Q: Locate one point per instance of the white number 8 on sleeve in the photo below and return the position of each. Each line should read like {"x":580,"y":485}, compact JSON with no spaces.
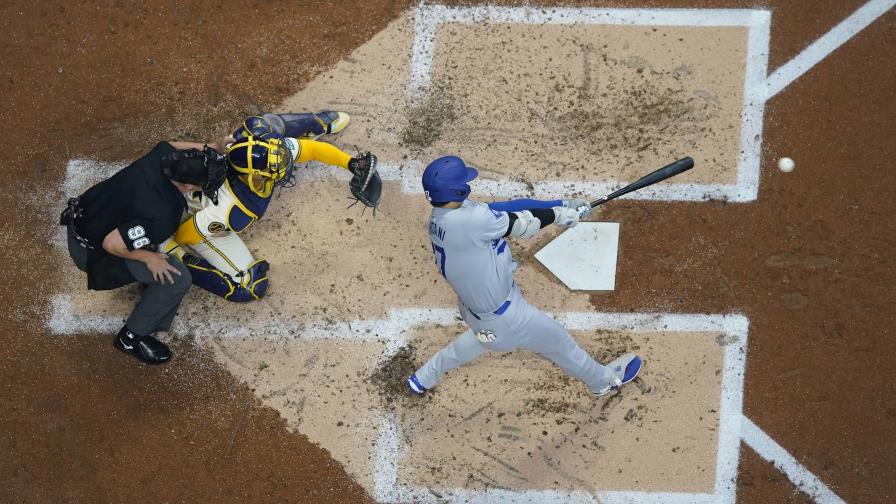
{"x":141,"y":242}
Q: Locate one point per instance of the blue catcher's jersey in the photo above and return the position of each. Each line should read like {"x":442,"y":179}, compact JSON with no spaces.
{"x":237,"y":208}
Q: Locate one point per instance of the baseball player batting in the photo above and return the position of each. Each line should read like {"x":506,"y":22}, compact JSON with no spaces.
{"x":468,"y":241}
{"x":261,"y":156}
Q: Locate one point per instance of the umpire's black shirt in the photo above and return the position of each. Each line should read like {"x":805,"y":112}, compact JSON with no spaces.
{"x":138,"y":201}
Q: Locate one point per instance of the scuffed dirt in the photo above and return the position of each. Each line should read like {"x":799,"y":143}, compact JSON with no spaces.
{"x":388,"y":379}
{"x":429,"y":117}
{"x":634,"y":107}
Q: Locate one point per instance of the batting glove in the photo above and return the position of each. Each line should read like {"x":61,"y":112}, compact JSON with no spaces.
{"x":565,"y":217}
{"x":574,"y":203}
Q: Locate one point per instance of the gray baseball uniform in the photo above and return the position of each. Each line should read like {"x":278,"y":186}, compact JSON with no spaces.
{"x":473,"y":256}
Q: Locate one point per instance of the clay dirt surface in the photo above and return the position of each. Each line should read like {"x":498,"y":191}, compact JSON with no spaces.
{"x":809,"y":262}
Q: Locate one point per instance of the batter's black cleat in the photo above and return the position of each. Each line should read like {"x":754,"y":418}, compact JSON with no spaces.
{"x":146,"y":348}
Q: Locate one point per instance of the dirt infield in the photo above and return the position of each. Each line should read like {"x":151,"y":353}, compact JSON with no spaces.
{"x":243,"y":419}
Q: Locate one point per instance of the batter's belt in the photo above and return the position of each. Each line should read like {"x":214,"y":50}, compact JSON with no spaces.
{"x":501,"y":309}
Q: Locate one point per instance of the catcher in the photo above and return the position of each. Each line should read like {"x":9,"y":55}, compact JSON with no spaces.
{"x":261,"y":156}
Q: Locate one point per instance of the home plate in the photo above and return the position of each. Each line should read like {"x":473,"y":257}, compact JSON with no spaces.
{"x":584,"y":257}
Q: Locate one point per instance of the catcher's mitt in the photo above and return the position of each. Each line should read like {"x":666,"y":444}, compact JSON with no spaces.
{"x":366,"y":185}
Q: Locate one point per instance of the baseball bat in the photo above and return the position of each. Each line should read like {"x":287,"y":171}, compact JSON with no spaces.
{"x":670,"y":170}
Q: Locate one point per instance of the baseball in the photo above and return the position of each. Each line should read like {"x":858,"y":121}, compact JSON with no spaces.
{"x":786,"y":165}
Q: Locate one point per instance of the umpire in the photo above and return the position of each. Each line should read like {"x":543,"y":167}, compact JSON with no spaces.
{"x":115,"y":227}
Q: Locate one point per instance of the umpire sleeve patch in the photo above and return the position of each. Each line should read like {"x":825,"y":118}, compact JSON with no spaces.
{"x":137,"y":236}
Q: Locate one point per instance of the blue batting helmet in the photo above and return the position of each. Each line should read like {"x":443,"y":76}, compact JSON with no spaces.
{"x":445,"y":179}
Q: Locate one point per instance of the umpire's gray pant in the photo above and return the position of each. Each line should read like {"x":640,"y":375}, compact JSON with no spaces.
{"x":158,"y":304}
{"x":522,"y":325}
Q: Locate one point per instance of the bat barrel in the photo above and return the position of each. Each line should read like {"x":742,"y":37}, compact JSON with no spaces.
{"x":670,"y":170}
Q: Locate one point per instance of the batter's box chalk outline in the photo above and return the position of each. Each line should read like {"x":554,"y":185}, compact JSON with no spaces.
{"x":63,"y":318}
{"x":758,"y":22}
{"x":390,"y":450}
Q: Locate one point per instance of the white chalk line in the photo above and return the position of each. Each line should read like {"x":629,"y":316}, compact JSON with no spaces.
{"x":731,"y":408}
{"x":86,"y":172}
{"x":405,"y":495}
{"x":63,"y":318}
{"x":757,"y":23}
{"x":557,"y":189}
{"x":767,"y":448}
{"x":825,"y":45}
{"x":755,"y":69}
{"x":387,"y":452}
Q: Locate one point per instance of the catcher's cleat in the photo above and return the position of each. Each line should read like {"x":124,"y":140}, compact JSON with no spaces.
{"x":625,"y":368}
{"x":332,"y":122}
{"x":146,"y":348}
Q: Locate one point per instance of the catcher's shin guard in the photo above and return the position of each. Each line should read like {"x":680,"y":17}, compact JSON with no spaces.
{"x":302,"y":125}
{"x":254,"y":284}
{"x":312,"y":126}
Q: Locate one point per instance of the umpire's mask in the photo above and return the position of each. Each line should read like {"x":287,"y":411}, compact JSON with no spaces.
{"x":205,"y":168}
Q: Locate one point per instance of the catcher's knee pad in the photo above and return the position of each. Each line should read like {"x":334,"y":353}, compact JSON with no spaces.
{"x":256,"y":280}
{"x":251,"y":285}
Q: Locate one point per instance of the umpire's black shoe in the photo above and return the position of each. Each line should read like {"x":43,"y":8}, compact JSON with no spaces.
{"x":145,"y":348}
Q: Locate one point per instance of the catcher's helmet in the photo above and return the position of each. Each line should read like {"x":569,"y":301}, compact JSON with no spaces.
{"x":445,"y":179}
{"x":271,"y":159}
{"x":205,"y":168}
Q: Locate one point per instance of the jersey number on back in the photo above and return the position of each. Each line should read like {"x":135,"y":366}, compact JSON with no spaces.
{"x":439,"y":252}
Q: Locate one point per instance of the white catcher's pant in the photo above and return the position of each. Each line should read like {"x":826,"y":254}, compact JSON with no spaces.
{"x":522,"y":325}
{"x":227,"y":252}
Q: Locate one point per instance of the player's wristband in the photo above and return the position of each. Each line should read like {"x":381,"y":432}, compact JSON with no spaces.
{"x":545,"y":215}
